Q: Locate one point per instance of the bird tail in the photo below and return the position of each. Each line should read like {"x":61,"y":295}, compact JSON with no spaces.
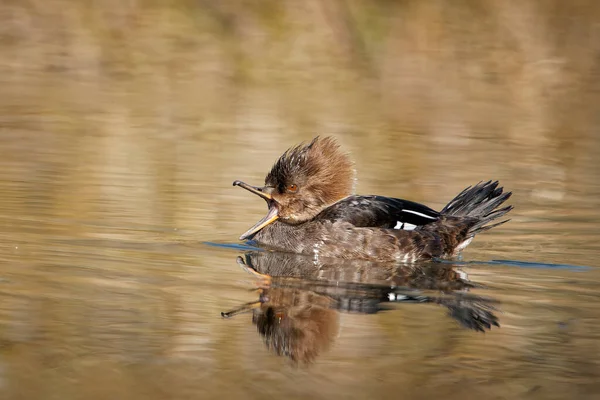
{"x":480,"y":203}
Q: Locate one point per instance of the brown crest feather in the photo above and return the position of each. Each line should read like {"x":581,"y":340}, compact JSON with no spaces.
{"x":320,"y":166}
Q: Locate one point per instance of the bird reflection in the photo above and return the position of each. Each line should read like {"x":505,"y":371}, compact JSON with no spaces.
{"x":297,"y":312}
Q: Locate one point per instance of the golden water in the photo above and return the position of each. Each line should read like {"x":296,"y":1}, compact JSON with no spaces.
{"x":122,"y":126}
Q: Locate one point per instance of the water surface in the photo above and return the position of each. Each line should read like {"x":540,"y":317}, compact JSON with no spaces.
{"x":122,"y":129}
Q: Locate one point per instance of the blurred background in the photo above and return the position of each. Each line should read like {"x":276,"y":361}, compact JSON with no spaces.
{"x":124,"y":123}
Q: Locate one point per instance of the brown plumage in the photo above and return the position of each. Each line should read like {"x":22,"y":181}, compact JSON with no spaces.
{"x":321,"y":173}
{"x":312,"y":211}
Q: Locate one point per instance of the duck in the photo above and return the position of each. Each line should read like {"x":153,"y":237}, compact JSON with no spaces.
{"x":312,"y":210}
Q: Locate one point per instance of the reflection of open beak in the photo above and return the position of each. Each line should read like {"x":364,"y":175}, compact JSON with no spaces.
{"x":272,"y":214}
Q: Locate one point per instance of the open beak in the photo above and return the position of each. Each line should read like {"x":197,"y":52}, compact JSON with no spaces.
{"x":271,"y":217}
{"x":272,"y":214}
{"x":253,"y":189}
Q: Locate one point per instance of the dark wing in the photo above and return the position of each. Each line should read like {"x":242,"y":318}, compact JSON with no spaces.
{"x":380,"y":212}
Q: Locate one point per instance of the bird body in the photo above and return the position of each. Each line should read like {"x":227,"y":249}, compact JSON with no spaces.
{"x":312,"y":211}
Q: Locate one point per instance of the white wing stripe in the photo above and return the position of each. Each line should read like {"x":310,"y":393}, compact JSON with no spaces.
{"x":405,"y":226}
{"x":419,"y":214}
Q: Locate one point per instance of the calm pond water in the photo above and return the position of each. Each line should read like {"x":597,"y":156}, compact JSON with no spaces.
{"x":122,"y":129}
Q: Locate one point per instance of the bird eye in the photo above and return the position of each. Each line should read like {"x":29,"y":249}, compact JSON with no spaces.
{"x":293,"y":188}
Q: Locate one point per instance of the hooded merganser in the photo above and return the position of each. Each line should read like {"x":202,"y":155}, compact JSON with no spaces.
{"x":312,"y":210}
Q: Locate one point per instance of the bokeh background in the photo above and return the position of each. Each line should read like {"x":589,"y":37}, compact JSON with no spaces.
{"x":123,"y":124}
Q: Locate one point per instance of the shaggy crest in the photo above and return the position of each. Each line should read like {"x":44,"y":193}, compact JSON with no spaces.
{"x":319,"y":167}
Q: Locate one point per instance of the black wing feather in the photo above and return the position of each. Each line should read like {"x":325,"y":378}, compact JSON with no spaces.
{"x":379,"y":212}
